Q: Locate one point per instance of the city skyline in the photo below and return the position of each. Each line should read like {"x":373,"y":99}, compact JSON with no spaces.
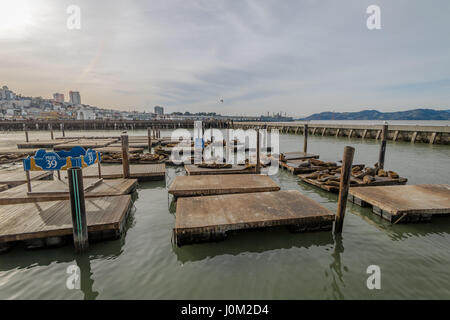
{"x":249,"y":57}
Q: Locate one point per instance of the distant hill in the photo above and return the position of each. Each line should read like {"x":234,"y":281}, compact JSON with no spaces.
{"x":416,"y":114}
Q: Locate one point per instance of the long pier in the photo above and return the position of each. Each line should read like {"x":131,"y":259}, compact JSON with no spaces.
{"x":409,"y":133}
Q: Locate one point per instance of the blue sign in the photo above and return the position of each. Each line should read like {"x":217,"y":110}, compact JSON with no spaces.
{"x":61,"y":160}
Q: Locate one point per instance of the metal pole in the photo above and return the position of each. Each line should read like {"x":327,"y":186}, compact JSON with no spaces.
{"x":78,"y":208}
{"x":343,"y":187}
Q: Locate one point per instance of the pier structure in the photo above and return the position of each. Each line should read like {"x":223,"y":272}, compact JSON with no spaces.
{"x":408,"y":133}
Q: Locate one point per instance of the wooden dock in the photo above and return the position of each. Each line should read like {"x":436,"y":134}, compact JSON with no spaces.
{"x":15,"y":177}
{"x":45,"y":190}
{"x":141,"y":172}
{"x":354,"y":182}
{"x":285,"y":156}
{"x":401,"y":204}
{"x":111,"y":149}
{"x":209,"y":218}
{"x":202,"y":185}
{"x":43,"y":144}
{"x":85,"y":143}
{"x":49,"y":223}
{"x":192,"y":169}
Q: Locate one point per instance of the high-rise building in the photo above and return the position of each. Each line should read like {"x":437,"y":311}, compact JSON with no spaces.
{"x":58,"y":97}
{"x":75,"y":97}
{"x":159,"y":110}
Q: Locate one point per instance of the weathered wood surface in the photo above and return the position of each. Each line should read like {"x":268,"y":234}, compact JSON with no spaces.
{"x":285,"y":156}
{"x":45,"y":190}
{"x":53,"y":218}
{"x":201,"y":185}
{"x":379,"y":181}
{"x":43,"y":143}
{"x":414,"y":202}
{"x":111,"y":149}
{"x":141,"y":172}
{"x":137,"y":145}
{"x":210,"y":218}
{"x":15,"y":150}
{"x":15,"y":177}
{"x":3,"y":187}
{"x":192,"y":169}
{"x":85,"y":143}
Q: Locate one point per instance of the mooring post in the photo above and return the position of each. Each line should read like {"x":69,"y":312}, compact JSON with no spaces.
{"x":62,"y":130}
{"x":384,"y":134}
{"x":27,"y":174}
{"x":305,"y":139}
{"x":258,"y":164}
{"x":99,"y":169}
{"x":344,"y":185}
{"x":125,"y":163}
{"x":51,"y":132}
{"x":78,"y":208}
{"x":149,"y":136}
{"x":59,"y":174}
{"x":26,"y":134}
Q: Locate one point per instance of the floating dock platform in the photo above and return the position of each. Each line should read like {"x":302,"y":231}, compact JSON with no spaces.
{"x":203,"y":185}
{"x":209,"y":218}
{"x":17,"y":176}
{"x":354,"y":182}
{"x":112,"y":149}
{"x":297,"y":155}
{"x":401,"y":204}
{"x":141,"y":172}
{"x":43,"y":144}
{"x":85,"y":143}
{"x":193,"y":169}
{"x":50,"y":223}
{"x":45,"y":190}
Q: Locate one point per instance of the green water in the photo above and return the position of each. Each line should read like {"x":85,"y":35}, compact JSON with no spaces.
{"x":270,"y":264}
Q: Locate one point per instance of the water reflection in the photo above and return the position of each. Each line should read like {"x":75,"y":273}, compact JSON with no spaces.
{"x":86,"y":282}
{"x":253,"y":241}
{"x":337,"y":270}
{"x":399,"y":232}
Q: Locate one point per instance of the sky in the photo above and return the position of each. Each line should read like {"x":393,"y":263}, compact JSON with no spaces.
{"x":259,"y":56}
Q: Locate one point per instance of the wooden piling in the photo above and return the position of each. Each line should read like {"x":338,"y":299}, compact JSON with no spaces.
{"x":305,"y":141}
{"x":78,"y":209}
{"x":258,"y":164}
{"x":26,"y":135}
{"x":62,"y":130}
{"x":125,"y":162}
{"x":149,"y":136}
{"x":384,"y":134}
{"x":99,"y":170}
{"x":27,"y":173}
{"x":343,"y":187}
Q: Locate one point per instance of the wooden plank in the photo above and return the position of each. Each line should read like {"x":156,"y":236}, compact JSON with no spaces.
{"x":429,"y":199}
{"x":85,"y":143}
{"x":43,"y":143}
{"x":210,"y":218}
{"x":379,"y":181}
{"x":3,"y":187}
{"x":193,"y":169}
{"x":201,"y":185}
{"x":141,"y":172}
{"x":53,"y":218}
{"x":285,"y":156}
{"x":45,"y":190}
{"x":16,"y":176}
{"x":111,"y":149}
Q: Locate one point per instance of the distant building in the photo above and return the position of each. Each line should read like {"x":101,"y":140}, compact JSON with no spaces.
{"x":6,"y":94}
{"x":159,"y":110}
{"x":58,"y":97}
{"x":75,"y":97}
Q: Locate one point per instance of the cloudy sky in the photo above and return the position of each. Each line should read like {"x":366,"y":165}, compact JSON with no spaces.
{"x":295,"y":56}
